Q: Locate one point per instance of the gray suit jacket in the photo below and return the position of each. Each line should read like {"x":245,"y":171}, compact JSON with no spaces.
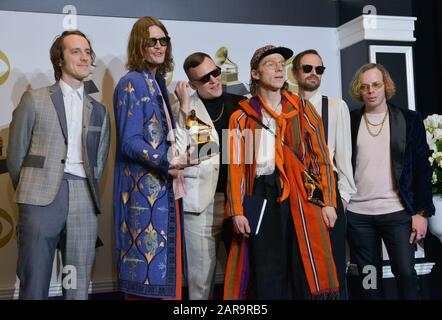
{"x":38,"y":144}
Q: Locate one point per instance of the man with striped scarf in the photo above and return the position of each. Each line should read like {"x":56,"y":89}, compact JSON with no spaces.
{"x":274,"y":138}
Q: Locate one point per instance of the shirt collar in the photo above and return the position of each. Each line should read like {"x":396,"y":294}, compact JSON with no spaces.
{"x":316,"y":99}
{"x":67,"y":89}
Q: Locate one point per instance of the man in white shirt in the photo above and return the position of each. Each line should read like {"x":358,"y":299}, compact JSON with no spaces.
{"x":308,"y":69}
{"x":58,"y":145}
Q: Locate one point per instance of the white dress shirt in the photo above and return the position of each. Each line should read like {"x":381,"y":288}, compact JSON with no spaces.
{"x":73,"y":106}
{"x":266,"y":158}
{"x":339,"y":142}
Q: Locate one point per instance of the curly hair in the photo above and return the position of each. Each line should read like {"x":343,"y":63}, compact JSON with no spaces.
{"x":137,"y":47}
{"x":355,"y":85}
{"x":56,"y":52}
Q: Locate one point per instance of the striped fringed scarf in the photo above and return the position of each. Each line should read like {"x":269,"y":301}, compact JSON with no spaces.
{"x":312,"y":234}
{"x":311,"y":231}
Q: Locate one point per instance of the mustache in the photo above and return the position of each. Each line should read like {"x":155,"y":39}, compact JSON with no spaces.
{"x":312,"y":77}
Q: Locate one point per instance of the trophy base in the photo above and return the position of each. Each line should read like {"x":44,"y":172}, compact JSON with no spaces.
{"x":238,"y":89}
{"x":204,"y":150}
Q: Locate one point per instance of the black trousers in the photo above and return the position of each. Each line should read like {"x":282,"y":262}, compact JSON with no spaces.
{"x":338,"y":236}
{"x":277,"y":269}
{"x":365,"y":233}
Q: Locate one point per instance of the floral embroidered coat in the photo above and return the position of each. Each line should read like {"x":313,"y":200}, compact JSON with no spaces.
{"x":147,"y":218}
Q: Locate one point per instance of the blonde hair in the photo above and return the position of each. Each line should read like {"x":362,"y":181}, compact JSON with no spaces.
{"x":355,"y":85}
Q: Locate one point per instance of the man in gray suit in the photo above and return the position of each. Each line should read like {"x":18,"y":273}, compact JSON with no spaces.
{"x":58,"y":145}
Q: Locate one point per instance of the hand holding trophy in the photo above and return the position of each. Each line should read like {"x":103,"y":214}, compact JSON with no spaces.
{"x":201,"y":140}
{"x":200,"y":143}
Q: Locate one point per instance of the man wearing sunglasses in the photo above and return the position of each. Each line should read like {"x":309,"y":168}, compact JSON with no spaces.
{"x":308,"y":70}
{"x":148,"y":185}
{"x":205,"y":183}
{"x":393,"y":180}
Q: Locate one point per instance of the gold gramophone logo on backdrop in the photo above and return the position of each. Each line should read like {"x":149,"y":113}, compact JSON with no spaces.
{"x":293,"y":84}
{"x":7,"y":227}
{"x":5,"y":67}
{"x":229,"y":73}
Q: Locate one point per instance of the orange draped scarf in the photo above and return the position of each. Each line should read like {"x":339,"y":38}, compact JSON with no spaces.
{"x":310,"y":229}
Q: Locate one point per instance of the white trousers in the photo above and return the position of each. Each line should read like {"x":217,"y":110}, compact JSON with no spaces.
{"x":202,"y":232}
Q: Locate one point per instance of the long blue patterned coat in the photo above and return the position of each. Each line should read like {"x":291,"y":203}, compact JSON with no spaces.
{"x":147,"y":223}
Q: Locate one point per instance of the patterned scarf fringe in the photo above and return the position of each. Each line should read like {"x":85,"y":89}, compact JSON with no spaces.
{"x":329,"y":295}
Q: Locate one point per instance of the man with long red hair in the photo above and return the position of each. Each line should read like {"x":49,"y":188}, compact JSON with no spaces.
{"x":148,"y":180}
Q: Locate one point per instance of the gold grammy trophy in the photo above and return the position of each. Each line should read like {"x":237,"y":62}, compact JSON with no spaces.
{"x":229,"y":76}
{"x":199,"y":133}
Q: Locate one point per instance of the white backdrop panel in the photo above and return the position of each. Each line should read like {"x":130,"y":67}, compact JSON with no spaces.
{"x":25,"y":38}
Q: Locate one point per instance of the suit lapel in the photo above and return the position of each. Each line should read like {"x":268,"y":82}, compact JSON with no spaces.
{"x":57,"y":100}
{"x":201,"y":110}
{"x":398,"y":132}
{"x":356,"y":117}
{"x":203,"y":115}
{"x":87,"y":111}
{"x":89,"y":87}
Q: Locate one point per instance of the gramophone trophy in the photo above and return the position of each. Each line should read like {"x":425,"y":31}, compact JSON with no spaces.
{"x":229,"y":75}
{"x":200,"y":137}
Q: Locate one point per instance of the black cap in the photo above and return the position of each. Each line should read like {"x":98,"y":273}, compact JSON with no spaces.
{"x":265,"y":51}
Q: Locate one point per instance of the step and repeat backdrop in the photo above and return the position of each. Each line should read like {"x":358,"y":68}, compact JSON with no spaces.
{"x":25,"y":39}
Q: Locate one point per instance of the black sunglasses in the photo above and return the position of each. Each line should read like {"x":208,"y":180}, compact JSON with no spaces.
{"x":206,"y":78}
{"x":152,"y":42}
{"x":307,"y":68}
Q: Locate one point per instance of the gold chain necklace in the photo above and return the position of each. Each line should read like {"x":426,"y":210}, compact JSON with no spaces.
{"x":368,"y":123}
{"x":220,"y":114}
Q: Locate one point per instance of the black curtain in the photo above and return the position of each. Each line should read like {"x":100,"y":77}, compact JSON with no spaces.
{"x":428,"y":76}
{"x":428,"y":56}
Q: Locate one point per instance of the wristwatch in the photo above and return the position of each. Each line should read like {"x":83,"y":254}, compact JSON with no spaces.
{"x":422,"y":213}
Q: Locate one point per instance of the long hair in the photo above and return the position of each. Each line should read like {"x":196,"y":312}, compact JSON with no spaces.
{"x":137,"y":47}
{"x":355,"y":85}
{"x":56,"y":52}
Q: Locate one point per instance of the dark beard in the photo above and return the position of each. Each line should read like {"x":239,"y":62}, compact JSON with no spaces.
{"x":309,"y":87}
